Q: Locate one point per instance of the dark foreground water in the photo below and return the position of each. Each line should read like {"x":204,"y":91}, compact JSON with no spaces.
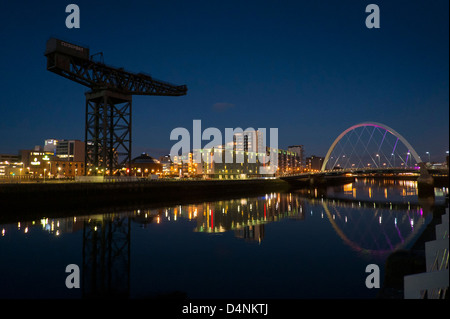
{"x":305,"y":244}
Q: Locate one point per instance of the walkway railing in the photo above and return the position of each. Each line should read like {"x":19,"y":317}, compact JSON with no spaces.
{"x":433,"y":284}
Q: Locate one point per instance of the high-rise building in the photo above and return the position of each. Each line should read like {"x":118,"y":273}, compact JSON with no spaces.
{"x":299,"y":149}
{"x":249,"y":141}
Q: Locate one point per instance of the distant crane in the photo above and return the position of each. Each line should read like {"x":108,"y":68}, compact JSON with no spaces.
{"x":108,"y":103}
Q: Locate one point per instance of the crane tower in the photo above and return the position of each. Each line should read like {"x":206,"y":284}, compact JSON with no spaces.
{"x":108,"y":103}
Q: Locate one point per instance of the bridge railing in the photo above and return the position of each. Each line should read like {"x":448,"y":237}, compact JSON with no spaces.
{"x":352,"y":170}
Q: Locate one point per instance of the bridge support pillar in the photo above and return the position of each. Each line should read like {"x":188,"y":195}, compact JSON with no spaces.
{"x":425,"y":182}
{"x":316,"y":180}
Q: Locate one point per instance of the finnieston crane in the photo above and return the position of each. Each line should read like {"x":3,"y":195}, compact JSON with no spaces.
{"x":108,"y":103}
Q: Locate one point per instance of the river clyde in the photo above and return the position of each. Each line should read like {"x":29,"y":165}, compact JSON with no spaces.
{"x":304,"y":244}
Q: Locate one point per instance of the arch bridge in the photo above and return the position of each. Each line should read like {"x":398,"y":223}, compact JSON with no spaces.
{"x":366,"y":148}
{"x":370,"y":145}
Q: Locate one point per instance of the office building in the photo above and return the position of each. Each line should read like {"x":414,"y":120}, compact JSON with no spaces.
{"x":70,"y":150}
{"x":249,"y":141}
{"x":10,"y":165}
{"x":50,"y":145}
{"x":288,"y":162}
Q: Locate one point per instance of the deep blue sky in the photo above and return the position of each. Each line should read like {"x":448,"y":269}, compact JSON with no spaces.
{"x":309,"y":68}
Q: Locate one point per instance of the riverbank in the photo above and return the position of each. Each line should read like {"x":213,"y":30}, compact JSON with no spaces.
{"x":30,"y":200}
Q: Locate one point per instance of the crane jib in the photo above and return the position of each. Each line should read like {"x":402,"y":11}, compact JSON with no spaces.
{"x":73,"y":62}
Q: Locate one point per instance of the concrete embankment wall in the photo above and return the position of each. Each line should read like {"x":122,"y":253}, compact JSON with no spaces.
{"x":24,"y":199}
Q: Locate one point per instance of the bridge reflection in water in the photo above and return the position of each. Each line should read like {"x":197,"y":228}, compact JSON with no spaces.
{"x":367,"y":227}
{"x":373,"y":227}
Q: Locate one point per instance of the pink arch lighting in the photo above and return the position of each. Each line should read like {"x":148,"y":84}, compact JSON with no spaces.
{"x":373,"y":124}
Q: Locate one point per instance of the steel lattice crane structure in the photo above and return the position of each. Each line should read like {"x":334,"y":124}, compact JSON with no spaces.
{"x":108,"y":103}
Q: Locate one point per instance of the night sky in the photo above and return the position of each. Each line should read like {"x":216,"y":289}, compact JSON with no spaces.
{"x":309,"y":68}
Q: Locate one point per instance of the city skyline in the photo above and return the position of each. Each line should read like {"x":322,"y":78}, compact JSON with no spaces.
{"x":309,"y":69}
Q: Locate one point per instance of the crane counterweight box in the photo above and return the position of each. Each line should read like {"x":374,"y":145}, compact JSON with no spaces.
{"x":63,"y":47}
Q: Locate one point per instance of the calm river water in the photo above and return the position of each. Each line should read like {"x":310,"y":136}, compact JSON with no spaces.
{"x":303,"y":244}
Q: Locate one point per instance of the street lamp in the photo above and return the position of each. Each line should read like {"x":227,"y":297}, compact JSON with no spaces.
{"x":378,"y":155}
{"x":429,"y":157}
{"x":50,"y":171}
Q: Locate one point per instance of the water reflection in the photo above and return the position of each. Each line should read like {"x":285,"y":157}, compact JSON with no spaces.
{"x":375,"y":230}
{"x":379,"y":190}
{"x":106,"y":257}
{"x":367,"y":223}
{"x":369,"y":227}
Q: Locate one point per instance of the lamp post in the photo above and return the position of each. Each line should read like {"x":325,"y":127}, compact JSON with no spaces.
{"x":446,"y":158}
{"x":50,"y":171}
{"x":378,"y":155}
{"x":429,"y":157}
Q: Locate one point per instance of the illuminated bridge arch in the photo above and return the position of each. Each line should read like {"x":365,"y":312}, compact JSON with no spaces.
{"x":372,"y":131}
{"x":367,"y":238}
